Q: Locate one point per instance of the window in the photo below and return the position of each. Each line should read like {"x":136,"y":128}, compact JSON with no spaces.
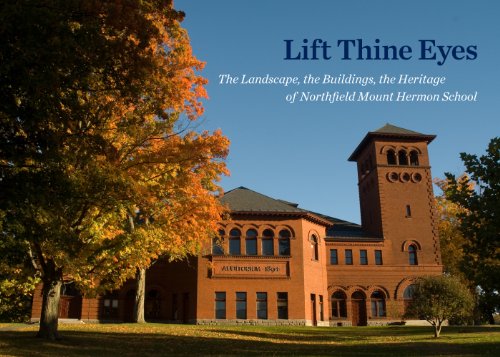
{"x":314,"y":247}
{"x":413,"y":158}
{"x":363,"y":257}
{"x":412,"y":255}
{"x":220,"y":305}
{"x":241,"y":305}
{"x":251,"y":242}
{"x":321,"y":311}
{"x":283,"y":306}
{"x":110,"y":305}
{"x":284,"y":242}
{"x":408,"y":296}
{"x":334,"y":258}
{"x":408,"y":211}
{"x":402,"y":158}
{"x":391,"y":157}
{"x":348,"y":256}
{"x":378,"y":257}
{"x":235,"y":242}
{"x":378,"y":304}
{"x":262,"y":306}
{"x":217,"y":248}
{"x":267,"y":242}
{"x":339,"y":306}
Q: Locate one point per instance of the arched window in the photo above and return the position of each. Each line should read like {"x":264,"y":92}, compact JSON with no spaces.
{"x":217,"y":246}
{"x":284,"y":242}
{"x":414,"y":158}
{"x":235,"y":241}
{"x":391,"y":157}
{"x":408,"y":296}
{"x":251,"y":242}
{"x":267,"y":242}
{"x":339,"y":306}
{"x":378,"y":304}
{"x":412,"y":255}
{"x":402,"y":158}
{"x":314,"y":247}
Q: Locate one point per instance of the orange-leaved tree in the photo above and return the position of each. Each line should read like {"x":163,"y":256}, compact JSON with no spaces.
{"x":92,"y":100}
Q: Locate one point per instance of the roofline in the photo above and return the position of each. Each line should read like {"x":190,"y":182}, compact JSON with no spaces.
{"x":372,"y":134}
{"x":306,"y":215}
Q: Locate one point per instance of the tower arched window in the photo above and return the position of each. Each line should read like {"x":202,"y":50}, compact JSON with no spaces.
{"x":414,"y":158}
{"x":284,"y":242}
{"x":412,"y":255}
{"x":235,"y":241}
{"x":251,"y":242}
{"x":339,"y":306}
{"x":378,"y":304}
{"x":391,"y":157}
{"x":402,"y":158}
{"x":314,"y":247}
{"x":268,"y":242}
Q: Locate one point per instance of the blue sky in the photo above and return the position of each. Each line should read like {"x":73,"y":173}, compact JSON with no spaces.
{"x":298,"y":152}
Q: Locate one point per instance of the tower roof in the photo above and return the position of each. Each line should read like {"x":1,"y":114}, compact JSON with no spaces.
{"x":389,"y":131}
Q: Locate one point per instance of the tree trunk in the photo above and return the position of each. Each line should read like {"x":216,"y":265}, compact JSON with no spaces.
{"x":437,"y":329}
{"x":50,"y":305}
{"x":140,"y":293}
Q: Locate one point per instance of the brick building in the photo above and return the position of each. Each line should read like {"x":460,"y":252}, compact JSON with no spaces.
{"x":276,"y":263}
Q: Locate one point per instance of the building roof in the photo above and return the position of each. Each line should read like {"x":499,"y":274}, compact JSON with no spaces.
{"x":242,"y":200}
{"x":389,"y":131}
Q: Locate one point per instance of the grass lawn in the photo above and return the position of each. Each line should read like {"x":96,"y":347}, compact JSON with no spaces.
{"x":162,"y":339}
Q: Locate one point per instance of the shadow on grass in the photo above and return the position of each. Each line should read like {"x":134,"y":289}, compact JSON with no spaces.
{"x":223,"y":342}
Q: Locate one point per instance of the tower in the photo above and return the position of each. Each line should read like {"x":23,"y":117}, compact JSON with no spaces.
{"x":396,"y":196}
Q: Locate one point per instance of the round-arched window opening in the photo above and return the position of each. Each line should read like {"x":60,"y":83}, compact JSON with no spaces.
{"x":235,"y":232}
{"x":285,"y":233}
{"x":414,"y":158}
{"x":391,"y":157}
{"x":402,"y":157}
{"x":405,"y":177}
{"x":267,"y":242}
{"x":268,"y":233}
{"x":358,"y":295}
{"x":392,"y":176}
{"x":339,"y":306}
{"x":235,"y":241}
{"x":251,"y":233}
{"x":412,"y":255}
{"x":377,"y":304}
{"x":314,"y":247}
{"x":409,"y":291}
{"x":251,"y":242}
{"x":284,"y":242}
{"x":416,"y":177}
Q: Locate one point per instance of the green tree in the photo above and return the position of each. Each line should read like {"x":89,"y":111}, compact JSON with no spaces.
{"x":451,"y":239}
{"x":440,"y":298}
{"x":17,"y":280}
{"x":92,"y":100}
{"x":478,"y":194}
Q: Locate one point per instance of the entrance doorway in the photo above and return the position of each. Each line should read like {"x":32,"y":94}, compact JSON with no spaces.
{"x":358,"y":302}
{"x":70,"y":303}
